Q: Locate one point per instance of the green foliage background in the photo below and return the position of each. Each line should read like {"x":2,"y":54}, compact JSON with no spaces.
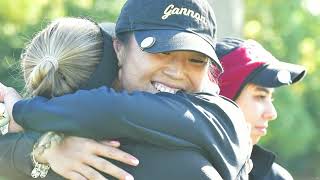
{"x":286,"y":28}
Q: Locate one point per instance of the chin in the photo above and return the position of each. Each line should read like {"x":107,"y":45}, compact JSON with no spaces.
{"x":255,"y":140}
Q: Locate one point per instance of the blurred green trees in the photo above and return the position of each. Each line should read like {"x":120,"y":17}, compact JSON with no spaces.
{"x":289,"y":29}
{"x":21,"y":19}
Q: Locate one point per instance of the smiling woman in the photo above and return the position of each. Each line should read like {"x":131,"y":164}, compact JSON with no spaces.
{"x":171,"y":71}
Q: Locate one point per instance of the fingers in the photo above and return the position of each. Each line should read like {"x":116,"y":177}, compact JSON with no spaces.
{"x":107,"y":167}
{"x":114,"y":153}
{"x":89,"y":172}
{"x":84,"y":157}
{"x":112,"y":143}
{"x":75,"y":176}
{"x":2,"y":92}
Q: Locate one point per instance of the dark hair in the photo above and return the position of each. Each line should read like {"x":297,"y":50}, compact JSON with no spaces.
{"x":125,"y":37}
{"x":214,"y":73}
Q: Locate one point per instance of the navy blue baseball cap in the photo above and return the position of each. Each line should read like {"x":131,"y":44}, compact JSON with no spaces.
{"x":171,"y":25}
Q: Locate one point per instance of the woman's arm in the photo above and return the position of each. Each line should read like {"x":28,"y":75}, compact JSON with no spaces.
{"x":104,"y":113}
{"x":16,"y":149}
{"x":15,"y":161}
{"x":206,"y":122}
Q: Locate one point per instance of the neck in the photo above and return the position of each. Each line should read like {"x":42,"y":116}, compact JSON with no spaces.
{"x":116,"y":85}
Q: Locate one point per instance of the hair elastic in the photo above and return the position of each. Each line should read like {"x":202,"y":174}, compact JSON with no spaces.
{"x":52,"y":60}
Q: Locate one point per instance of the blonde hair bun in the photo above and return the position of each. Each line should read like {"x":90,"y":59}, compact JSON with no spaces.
{"x":62,"y":56}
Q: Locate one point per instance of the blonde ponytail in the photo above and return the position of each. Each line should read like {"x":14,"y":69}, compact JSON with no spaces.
{"x":62,"y":57}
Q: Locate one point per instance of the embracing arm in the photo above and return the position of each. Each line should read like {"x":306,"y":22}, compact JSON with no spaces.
{"x":15,"y":150}
{"x":164,"y":119}
{"x":104,"y":113}
{"x":16,"y":163}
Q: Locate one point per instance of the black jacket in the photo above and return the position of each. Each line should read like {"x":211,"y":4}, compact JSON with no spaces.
{"x":264,"y":167}
{"x":15,"y":160}
{"x":173,"y":136}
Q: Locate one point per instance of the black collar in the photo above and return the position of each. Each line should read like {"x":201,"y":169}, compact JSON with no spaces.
{"x":262,"y":160}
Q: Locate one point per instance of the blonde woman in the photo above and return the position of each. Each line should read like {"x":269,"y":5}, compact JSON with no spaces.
{"x":59,"y":60}
{"x":175,"y":136}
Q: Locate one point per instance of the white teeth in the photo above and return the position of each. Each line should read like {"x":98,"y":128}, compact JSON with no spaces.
{"x":164,"y":88}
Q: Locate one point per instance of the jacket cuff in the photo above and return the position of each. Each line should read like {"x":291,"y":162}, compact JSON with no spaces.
{"x":18,"y":112}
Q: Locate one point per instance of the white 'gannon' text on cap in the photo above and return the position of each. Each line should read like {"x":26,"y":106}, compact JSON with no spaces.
{"x":172,"y":10}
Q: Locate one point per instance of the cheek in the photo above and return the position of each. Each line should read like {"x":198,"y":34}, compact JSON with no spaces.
{"x":250,"y":111}
{"x":198,"y":76}
{"x":134,"y":66}
{"x":255,"y":139}
{"x":128,"y":76}
{"x":252,"y":117}
{"x":138,"y":72}
{"x":152,"y":67}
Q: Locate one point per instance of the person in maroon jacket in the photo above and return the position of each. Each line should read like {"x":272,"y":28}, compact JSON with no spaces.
{"x":250,"y":75}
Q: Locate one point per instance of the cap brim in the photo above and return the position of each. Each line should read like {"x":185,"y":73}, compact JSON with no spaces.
{"x":279,"y":74}
{"x":175,"y":40}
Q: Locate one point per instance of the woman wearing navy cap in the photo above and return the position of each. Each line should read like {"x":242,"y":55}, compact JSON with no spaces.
{"x":250,"y":75}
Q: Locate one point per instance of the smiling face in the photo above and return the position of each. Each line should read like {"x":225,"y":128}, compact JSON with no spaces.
{"x":160,"y":72}
{"x":256,"y":104}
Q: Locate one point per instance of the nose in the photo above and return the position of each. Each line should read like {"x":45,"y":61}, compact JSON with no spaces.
{"x":270,"y":112}
{"x":175,"y":69}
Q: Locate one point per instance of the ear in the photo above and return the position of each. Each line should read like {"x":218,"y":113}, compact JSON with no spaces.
{"x":119,"y":49}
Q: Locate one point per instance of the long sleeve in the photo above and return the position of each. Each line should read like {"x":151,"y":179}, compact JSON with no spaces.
{"x":104,"y":113}
{"x":15,"y":161}
{"x":210,"y":124}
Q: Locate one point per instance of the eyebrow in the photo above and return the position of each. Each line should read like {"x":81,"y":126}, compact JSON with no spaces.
{"x":201,"y":55}
{"x":266,"y":90}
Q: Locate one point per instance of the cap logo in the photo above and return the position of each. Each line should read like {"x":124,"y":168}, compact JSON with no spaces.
{"x":284,"y":77}
{"x":172,"y":10}
{"x":147,"y":42}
